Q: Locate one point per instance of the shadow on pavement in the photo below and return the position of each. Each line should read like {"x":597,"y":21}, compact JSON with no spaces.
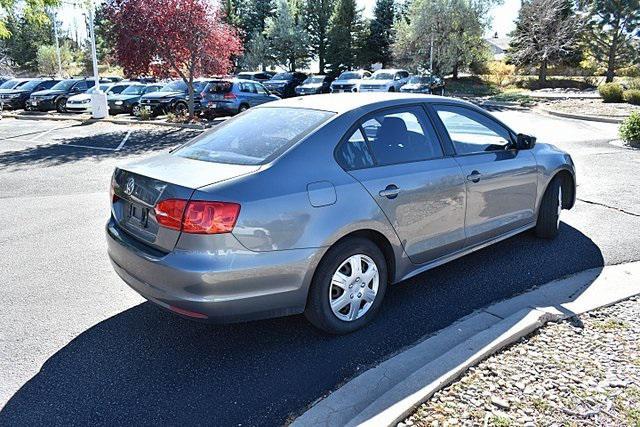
{"x":146,"y":366}
{"x":94,"y":146}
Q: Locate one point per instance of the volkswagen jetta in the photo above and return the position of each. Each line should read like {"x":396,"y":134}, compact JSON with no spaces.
{"x":316,"y":204}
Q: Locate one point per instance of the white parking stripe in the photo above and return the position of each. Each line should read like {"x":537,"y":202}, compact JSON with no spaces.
{"x":90,"y":147}
{"x":124,"y":140}
{"x":46,"y":132}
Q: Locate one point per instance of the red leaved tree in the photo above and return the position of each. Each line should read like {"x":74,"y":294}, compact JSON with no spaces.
{"x":188,"y":38}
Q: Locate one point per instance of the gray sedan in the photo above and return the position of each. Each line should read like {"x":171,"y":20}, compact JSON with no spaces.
{"x":315,"y":205}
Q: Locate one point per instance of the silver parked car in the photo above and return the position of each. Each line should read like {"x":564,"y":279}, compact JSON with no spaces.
{"x":316,"y":204}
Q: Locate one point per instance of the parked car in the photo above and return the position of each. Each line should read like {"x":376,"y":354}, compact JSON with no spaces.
{"x":82,"y":103}
{"x":319,"y":212}
{"x":428,"y":84}
{"x":259,"y":76}
{"x":56,"y":97}
{"x":314,"y":85}
{"x":386,"y":81}
{"x":284,"y":84}
{"x":128,"y":101}
{"x":349,"y":81}
{"x":15,"y":99}
{"x":173,"y":97}
{"x":229,"y":97}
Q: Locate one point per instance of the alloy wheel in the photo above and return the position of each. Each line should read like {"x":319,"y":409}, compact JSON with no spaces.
{"x":354,"y":287}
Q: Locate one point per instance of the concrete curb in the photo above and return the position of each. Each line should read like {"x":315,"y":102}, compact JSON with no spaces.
{"x":389,"y":392}
{"x":115,"y":121}
{"x":580,"y":116}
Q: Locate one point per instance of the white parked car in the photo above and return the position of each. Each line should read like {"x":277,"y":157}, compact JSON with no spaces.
{"x":386,"y":80}
{"x":81,"y":103}
{"x":349,"y":81}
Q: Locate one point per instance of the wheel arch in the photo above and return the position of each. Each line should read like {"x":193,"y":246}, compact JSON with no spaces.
{"x":568,"y":185}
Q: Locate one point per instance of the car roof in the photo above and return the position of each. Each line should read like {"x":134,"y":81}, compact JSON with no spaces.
{"x":344,"y":102}
{"x":389,"y":70}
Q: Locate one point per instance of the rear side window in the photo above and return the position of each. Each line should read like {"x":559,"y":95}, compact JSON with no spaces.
{"x":390,"y":137}
{"x":256,"y":137}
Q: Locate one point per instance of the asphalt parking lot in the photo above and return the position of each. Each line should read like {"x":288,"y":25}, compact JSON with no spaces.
{"x":79,"y":347}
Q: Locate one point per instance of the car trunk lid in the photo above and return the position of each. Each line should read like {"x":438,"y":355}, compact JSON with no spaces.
{"x":139,"y":187}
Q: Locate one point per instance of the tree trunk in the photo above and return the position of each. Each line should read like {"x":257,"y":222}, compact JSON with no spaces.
{"x":321,"y":61}
{"x":455,"y":71}
{"x":611,"y":60}
{"x":542,"y":73}
{"x":191,"y":101}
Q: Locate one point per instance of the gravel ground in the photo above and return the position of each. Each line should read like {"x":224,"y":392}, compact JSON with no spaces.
{"x":584,"y":371}
{"x":593,"y":107}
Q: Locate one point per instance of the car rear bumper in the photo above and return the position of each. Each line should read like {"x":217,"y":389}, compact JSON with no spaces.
{"x":221,"y":287}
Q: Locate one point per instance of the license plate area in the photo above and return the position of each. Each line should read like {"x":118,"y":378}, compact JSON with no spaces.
{"x":137,"y":215}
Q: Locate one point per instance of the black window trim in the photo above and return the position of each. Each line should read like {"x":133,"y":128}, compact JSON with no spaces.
{"x":358,"y":125}
{"x":442,"y":130}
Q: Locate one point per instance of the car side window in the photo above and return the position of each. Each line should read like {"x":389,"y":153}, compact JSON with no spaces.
{"x":80,"y":86}
{"x":260,"y":89}
{"x":246,"y":87}
{"x":354,"y":153}
{"x":400,"y":136}
{"x":472,"y":132}
{"x":390,"y":137}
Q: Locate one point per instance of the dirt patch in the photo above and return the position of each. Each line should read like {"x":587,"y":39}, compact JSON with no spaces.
{"x":592,"y":107}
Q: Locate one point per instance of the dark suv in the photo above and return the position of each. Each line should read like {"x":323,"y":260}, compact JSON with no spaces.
{"x":284,"y":84}
{"x":315,"y":85}
{"x":258,"y":76}
{"x":173,"y":97}
{"x":56,"y":97}
{"x":14,"y":93}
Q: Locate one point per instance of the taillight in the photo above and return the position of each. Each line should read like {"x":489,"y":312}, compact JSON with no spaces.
{"x":229,"y":95}
{"x":169,"y":213}
{"x":197,"y":216}
{"x":112,"y":189}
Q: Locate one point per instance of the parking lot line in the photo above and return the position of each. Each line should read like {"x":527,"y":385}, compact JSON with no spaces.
{"x":46,"y":132}
{"x":124,"y":140}
{"x":90,"y":147}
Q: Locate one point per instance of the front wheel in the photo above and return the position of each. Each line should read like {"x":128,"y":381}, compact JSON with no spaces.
{"x":548,"y":223}
{"x":348,"y":287}
{"x":181,"y":109}
{"x":60,"y":105}
{"x":135,"y":110}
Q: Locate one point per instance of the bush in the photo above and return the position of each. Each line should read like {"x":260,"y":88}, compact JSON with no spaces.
{"x":630,"y":130}
{"x":501,"y":73}
{"x":610,"y":92}
{"x":632,"y":96}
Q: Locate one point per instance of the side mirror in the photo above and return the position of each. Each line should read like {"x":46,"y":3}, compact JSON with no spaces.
{"x":525,"y":142}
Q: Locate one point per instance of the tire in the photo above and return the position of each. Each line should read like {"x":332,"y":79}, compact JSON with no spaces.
{"x":358,"y":308}
{"x":135,"y":110}
{"x":181,"y":109}
{"x":548,"y":223}
{"x":243,"y":108}
{"x":60,"y":105}
{"x":392,"y":89}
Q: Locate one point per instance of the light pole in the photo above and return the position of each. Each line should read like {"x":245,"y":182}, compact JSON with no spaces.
{"x":99,"y":107}
{"x":55,"y":34}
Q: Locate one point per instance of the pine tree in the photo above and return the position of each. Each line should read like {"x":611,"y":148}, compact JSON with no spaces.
{"x":611,"y":26}
{"x":317,"y":16}
{"x":547,"y":32}
{"x":381,"y":33}
{"x":345,"y":28}
{"x":288,"y":40}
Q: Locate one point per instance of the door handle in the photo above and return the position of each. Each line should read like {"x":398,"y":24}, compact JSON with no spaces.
{"x":391,"y":192}
{"x":474,"y":176}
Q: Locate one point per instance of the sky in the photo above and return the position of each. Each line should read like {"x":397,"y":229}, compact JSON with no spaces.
{"x":502,"y":16}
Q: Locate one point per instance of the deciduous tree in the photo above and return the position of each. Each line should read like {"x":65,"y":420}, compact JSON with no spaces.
{"x":188,"y":38}
{"x":33,"y":10}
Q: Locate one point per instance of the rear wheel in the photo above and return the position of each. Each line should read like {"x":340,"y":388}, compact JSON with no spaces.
{"x":348,"y":287}
{"x":548,"y":223}
{"x":243,"y":108}
{"x":60,"y":105}
{"x":392,"y":89}
{"x":135,"y":110}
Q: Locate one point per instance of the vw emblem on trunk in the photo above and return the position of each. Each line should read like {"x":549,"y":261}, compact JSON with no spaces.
{"x":128,"y":188}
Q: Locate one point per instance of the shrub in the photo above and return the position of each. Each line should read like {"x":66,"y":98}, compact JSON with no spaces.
{"x":144,"y":114}
{"x":632,"y":96}
{"x":610,"y":92}
{"x":630,"y":130}
{"x":501,"y":73}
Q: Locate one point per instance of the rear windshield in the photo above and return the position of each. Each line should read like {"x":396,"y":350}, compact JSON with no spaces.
{"x":255,"y":137}
{"x":283,"y":76}
{"x":220,"y":87}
